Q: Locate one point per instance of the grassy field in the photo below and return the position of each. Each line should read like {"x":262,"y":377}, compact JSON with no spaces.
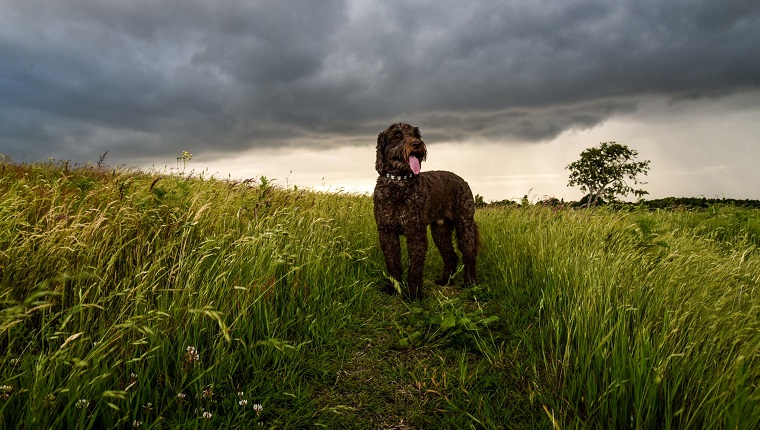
{"x":131,"y":299}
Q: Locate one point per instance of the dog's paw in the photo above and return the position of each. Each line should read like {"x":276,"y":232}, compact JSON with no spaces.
{"x":443,"y":281}
{"x":388,"y":289}
{"x":414,"y":294}
{"x":470,"y":281}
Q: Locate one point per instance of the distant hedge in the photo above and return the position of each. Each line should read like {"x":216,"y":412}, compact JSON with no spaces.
{"x":666,"y":203}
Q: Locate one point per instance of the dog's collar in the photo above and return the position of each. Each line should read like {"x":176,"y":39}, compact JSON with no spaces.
{"x":398,"y":177}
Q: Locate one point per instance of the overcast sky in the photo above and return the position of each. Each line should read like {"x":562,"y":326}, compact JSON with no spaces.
{"x":506,"y":93}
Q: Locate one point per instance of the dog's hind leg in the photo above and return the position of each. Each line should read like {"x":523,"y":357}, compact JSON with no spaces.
{"x":442,"y":237}
{"x":468,"y":238}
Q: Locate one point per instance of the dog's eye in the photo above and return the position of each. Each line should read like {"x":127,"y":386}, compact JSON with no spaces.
{"x":398,"y":134}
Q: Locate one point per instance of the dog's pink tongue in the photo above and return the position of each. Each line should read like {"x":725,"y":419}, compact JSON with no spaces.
{"x":414,"y":163}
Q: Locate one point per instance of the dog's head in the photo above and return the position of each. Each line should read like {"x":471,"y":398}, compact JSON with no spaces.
{"x":400,"y":150}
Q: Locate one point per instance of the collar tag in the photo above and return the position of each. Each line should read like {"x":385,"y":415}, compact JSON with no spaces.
{"x":398,"y":178}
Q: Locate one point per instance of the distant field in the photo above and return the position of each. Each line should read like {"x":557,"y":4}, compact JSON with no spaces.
{"x":153,"y":300}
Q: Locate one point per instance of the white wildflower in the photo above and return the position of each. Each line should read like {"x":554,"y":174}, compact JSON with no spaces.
{"x":5,"y":391}
{"x":207,"y":393}
{"x":191,"y":355}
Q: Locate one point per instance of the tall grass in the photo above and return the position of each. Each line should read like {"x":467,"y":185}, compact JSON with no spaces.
{"x":108,"y":278}
{"x":155,"y":300}
{"x":640,"y":324}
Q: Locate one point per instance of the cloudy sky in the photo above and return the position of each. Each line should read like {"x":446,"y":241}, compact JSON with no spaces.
{"x":506,"y":93}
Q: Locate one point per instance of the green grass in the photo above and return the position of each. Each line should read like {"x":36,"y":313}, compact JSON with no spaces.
{"x":580,"y":319}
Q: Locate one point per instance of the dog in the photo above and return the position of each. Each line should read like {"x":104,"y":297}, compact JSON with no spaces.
{"x":407,"y":201}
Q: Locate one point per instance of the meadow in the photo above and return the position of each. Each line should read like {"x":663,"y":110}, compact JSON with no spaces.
{"x":132,"y":299}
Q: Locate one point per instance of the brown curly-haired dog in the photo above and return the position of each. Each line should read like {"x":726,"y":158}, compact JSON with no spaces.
{"x":407,"y":201}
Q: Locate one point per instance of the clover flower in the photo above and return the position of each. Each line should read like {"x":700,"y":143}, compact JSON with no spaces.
{"x":136,"y":423}
{"x":243,"y":402}
{"x":5,"y":391}
{"x":207,"y":393}
{"x":207,"y":415}
{"x":132,"y":381}
{"x":82,"y":403}
{"x":258,"y":408}
{"x":191,"y":355}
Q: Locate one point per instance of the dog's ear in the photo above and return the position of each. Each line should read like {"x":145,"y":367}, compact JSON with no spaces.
{"x":381,"y":142}
{"x":417,"y":134}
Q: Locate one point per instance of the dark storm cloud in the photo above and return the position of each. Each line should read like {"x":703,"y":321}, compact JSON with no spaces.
{"x":150,"y":78}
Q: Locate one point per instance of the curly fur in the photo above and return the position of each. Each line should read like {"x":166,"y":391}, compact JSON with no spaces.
{"x":407,"y":203}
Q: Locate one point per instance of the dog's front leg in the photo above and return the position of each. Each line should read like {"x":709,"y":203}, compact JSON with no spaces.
{"x":416,"y":243}
{"x":391,"y":247}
